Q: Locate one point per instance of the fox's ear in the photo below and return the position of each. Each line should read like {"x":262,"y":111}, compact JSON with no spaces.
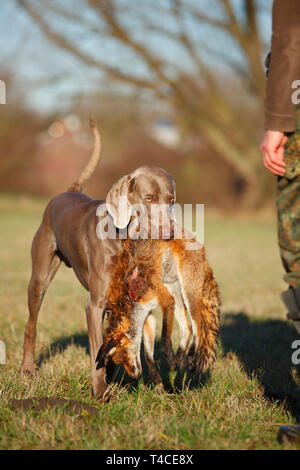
{"x":106,"y":350}
{"x":136,"y":283}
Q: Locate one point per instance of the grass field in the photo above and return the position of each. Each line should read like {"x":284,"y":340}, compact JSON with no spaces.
{"x":253,"y":388}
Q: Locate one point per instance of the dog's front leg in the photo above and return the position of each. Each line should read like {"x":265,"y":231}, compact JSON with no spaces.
{"x":94,"y":315}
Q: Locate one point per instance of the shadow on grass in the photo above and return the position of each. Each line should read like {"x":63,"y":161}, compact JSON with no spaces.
{"x":173,"y":382}
{"x":78,"y":339}
{"x":264,"y":348}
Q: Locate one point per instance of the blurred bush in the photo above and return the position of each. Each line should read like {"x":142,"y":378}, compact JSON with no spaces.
{"x":186,"y":94}
{"x":44,"y":155}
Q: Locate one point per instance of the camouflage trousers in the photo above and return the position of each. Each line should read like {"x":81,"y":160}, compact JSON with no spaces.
{"x":288,"y":209}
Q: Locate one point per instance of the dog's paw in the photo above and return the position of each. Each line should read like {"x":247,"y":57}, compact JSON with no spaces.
{"x":107,"y":397}
{"x":29,"y":370}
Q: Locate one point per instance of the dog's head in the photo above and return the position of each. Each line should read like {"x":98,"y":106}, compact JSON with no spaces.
{"x":145,"y":197}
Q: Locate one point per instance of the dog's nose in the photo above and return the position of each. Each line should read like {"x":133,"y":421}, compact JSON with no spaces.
{"x":172,"y":228}
{"x":167,"y":231}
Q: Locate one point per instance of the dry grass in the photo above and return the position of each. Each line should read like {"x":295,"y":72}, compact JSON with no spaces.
{"x":252,"y":390}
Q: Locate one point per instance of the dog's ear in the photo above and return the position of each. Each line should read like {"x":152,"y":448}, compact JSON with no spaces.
{"x":106,"y":350}
{"x":136,"y":283}
{"x":117,"y":204}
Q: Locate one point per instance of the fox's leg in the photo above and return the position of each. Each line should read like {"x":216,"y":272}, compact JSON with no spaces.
{"x":174,"y":306}
{"x":149,"y":341}
{"x":185,"y":329}
{"x":185,"y":335}
{"x":167,"y":305}
{"x":166,"y":335}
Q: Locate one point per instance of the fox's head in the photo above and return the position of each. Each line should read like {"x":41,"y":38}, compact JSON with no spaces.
{"x":123,"y":337}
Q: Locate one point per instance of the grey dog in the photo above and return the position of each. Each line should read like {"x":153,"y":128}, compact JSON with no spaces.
{"x":68,"y":233}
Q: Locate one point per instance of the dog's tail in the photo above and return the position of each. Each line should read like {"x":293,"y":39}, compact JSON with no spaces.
{"x":87,"y":172}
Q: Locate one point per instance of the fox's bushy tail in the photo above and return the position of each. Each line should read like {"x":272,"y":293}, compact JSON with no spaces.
{"x":208,"y":323}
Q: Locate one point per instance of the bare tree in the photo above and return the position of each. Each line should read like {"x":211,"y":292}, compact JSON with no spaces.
{"x":205,"y":98}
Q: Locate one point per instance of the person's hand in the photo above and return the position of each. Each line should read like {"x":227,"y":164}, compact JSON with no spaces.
{"x":272,"y":150}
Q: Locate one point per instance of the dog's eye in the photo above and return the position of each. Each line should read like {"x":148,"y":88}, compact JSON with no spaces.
{"x":149,"y":198}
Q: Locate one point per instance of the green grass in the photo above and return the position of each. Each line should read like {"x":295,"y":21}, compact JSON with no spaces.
{"x":253,"y":388}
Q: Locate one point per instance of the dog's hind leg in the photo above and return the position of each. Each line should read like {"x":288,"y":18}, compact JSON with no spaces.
{"x":45,"y":263}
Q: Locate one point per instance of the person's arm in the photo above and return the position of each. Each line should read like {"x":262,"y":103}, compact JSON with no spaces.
{"x":280,"y":111}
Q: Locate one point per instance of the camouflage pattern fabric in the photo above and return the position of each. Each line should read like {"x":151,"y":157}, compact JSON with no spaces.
{"x":288,"y":207}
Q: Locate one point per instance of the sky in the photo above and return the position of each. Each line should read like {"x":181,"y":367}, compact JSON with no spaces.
{"x":48,"y":76}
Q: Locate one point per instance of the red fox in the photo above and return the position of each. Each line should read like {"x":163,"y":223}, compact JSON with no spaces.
{"x":166,"y":274}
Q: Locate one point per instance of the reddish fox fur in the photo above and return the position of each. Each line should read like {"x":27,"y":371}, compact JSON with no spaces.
{"x":179,"y":280}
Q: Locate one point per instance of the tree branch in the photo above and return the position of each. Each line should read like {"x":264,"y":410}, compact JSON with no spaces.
{"x":62,"y":42}
{"x":108,"y":12}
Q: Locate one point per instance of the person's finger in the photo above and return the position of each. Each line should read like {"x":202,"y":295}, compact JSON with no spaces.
{"x":272,"y":150}
{"x":276,"y":170}
{"x":275,"y":156}
{"x":272,"y":165}
{"x":275,"y":164}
